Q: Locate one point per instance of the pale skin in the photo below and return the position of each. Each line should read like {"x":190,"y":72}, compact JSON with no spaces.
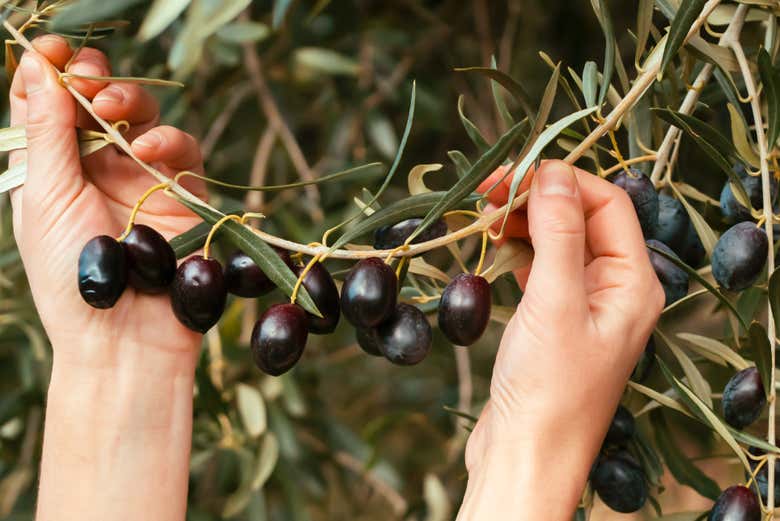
{"x":119,"y":411}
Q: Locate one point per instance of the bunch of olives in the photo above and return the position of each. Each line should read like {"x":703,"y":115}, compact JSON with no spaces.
{"x":199,"y":288}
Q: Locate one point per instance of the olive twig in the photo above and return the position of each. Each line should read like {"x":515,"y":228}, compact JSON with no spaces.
{"x":482,"y":253}
{"x":616,"y":150}
{"x":627,"y":162}
{"x":137,"y":207}
{"x":303,"y":274}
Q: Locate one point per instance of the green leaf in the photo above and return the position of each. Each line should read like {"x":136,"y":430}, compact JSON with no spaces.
{"x":544,"y":139}
{"x":644,"y":20}
{"x":471,"y":129}
{"x":461,"y":162}
{"x":762,"y":354}
{"x":325,"y":61}
{"x":243,"y":32}
{"x":498,"y":98}
{"x":413,"y":206}
{"x":771,"y":82}
{"x":740,"y":135}
{"x":251,"y":407}
{"x":85,"y":11}
{"x":703,"y":229}
{"x":677,"y":461}
{"x":264,"y":256}
{"x":683,"y":20}
{"x":590,"y":81}
{"x":695,"y":379}
{"x":609,"y":51}
{"x":160,"y":16}
{"x":489,"y":161}
{"x":508,"y":83}
{"x":701,"y":280}
{"x":714,"y":350}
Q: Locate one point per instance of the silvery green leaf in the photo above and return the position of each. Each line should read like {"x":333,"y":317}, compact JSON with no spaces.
{"x":714,"y":350}
{"x":681,"y":24}
{"x":251,"y":407}
{"x":471,"y":129}
{"x":279,"y":12}
{"x":702,"y":227}
{"x":697,"y":382}
{"x":382,"y":134}
{"x":267,"y":457}
{"x":325,"y":61}
{"x":243,"y":32}
{"x":762,"y":354}
{"x":160,"y":16}
{"x":590,"y":82}
{"x":13,"y":138}
{"x":461,"y":162}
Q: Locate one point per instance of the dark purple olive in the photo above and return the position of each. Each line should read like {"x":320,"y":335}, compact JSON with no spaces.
{"x":640,"y":189}
{"x":368,"y":340}
{"x":405,"y":338}
{"x":622,"y":428}
{"x":279,"y":338}
{"x":739,"y":256}
{"x":619,"y":482}
{"x":102,"y":272}
{"x":369,"y":293}
{"x":673,"y":279}
{"x":736,"y":503}
{"x":198,"y":293}
{"x":743,"y":398}
{"x":464,"y":309}
{"x":151,"y":262}
{"x":325,"y":294}
{"x":243,"y":277}
{"x":389,"y":237}
{"x":762,"y":476}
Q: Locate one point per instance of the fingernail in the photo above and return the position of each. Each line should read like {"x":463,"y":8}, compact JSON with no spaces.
{"x":557,"y":180}
{"x":150,"y":140}
{"x":110,"y":95}
{"x":32,"y":74}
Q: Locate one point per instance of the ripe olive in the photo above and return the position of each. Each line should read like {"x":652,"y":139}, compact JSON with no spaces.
{"x":198,"y":293}
{"x":646,"y":362}
{"x":279,"y":337}
{"x":693,"y":252}
{"x":405,"y":338}
{"x":619,"y":482}
{"x":368,"y":340}
{"x":243,"y":277}
{"x":736,"y":503}
{"x":464,"y":309}
{"x":389,"y":237}
{"x":369,"y":293}
{"x":673,"y":279}
{"x":622,"y":428}
{"x":733,"y":210}
{"x":743,"y":398}
{"x":102,"y":272}
{"x":642,"y":193}
{"x":739,"y":256}
{"x":673,"y":223}
{"x":325,"y":294}
{"x":151,"y":262}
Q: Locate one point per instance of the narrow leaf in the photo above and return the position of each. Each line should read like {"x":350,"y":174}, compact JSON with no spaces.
{"x":461,"y":162}
{"x":714,"y":350}
{"x":471,"y":129}
{"x":160,"y":16}
{"x":762,"y":354}
{"x":702,"y":227}
{"x":771,"y":82}
{"x":774,"y":296}
{"x":681,"y":24}
{"x":697,"y":382}
{"x":508,"y":83}
{"x":609,"y":52}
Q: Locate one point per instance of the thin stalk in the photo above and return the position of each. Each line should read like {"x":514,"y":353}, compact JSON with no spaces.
{"x":763,"y":152}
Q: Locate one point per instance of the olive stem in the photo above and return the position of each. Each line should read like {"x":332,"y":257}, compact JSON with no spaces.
{"x":482,"y":253}
{"x":303,"y":274}
{"x":627,"y":162}
{"x":210,"y":237}
{"x":137,"y":208}
{"x":733,"y":42}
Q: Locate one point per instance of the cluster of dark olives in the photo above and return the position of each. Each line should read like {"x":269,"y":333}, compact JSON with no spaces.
{"x":616,"y":476}
{"x":143,"y":259}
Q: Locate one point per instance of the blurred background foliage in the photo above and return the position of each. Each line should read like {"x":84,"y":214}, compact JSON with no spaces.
{"x":288,"y":89}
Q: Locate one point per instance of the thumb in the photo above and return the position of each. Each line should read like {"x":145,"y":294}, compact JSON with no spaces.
{"x":557,"y":227}
{"x":53,"y":160}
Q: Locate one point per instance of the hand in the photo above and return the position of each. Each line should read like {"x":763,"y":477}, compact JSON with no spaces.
{"x":591,"y":299}
{"x":66,"y":201}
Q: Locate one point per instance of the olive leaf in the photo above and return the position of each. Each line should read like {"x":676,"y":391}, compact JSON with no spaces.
{"x":13,"y":138}
{"x":609,"y":51}
{"x":498,"y":98}
{"x":471,"y":129}
{"x":714,"y":350}
{"x":762,"y":354}
{"x":251,"y":408}
{"x":660,"y":398}
{"x":701,"y":280}
{"x":703,"y":229}
{"x":681,"y":24}
{"x":770,"y":78}
{"x":590,"y":82}
{"x":267,"y":457}
{"x":160,"y":15}
{"x":506,"y":81}
{"x":83,"y":12}
{"x":774,"y":296}
{"x":419,"y":266}
{"x":461,"y":162}
{"x":511,"y":255}
{"x":644,"y":20}
{"x":740,"y":137}
{"x":678,"y":462}
{"x":697,"y":382}
{"x":261,"y":253}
